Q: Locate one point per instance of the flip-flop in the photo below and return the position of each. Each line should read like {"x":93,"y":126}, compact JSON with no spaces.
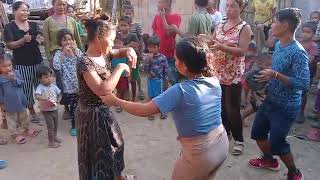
{"x":129,"y":177}
{"x":33,"y":132}
{"x":238,"y":148}
{"x":20,"y":139}
{"x":3,"y":141}
{"x":314,"y":135}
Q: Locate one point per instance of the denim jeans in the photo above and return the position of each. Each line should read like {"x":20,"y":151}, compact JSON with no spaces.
{"x":273,"y":123}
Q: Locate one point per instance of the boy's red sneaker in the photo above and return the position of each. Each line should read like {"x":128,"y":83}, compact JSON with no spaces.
{"x":295,"y":176}
{"x":265,"y":163}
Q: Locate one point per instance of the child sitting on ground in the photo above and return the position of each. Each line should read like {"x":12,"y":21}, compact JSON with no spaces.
{"x":49,"y":95}
{"x":13,"y":101}
{"x":65,"y":61}
{"x":123,"y":84}
{"x":156,"y":68}
{"x":257,"y":93}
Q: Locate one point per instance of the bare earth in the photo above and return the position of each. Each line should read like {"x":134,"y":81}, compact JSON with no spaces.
{"x":150,"y":151}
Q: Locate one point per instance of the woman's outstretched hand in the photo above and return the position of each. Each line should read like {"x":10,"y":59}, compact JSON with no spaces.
{"x":109,"y":99}
{"x":132,"y":58}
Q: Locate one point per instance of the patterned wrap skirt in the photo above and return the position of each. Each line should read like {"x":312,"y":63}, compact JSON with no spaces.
{"x":100,"y":143}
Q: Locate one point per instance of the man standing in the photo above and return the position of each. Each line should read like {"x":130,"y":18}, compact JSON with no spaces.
{"x":162,"y":27}
{"x":288,"y":77}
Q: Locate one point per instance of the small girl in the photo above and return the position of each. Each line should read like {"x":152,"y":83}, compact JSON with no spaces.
{"x":196,"y":108}
{"x":65,"y":61}
{"x":123,"y":84}
{"x":49,"y":95}
{"x":13,"y":101}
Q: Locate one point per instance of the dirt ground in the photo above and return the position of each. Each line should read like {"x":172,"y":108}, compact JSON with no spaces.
{"x":150,"y":151}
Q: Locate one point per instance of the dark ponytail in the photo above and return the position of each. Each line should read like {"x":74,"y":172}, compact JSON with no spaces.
{"x":195,"y":54}
{"x":97,"y":28}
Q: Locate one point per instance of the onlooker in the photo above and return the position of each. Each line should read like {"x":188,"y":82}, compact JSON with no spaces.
{"x":308,"y":32}
{"x":215,"y":14}
{"x":200,"y":22}
{"x":161,"y":28}
{"x":65,"y":62}
{"x":315,"y":17}
{"x":264,"y":10}
{"x":24,"y":37}
{"x":130,"y":40}
{"x":230,"y":43}
{"x":156,"y":68}
{"x":49,"y":95}
{"x":51,"y":26}
{"x":13,"y":102}
{"x":123,"y":84}
{"x":287,"y":79}
{"x":136,"y":28}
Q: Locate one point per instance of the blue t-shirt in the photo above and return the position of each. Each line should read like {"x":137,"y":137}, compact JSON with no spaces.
{"x":292,"y":61}
{"x":11,"y":93}
{"x":195,"y":105}
{"x":116,"y":61}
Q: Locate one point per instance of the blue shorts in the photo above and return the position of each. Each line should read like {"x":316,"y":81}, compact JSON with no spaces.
{"x":273,"y":123}
{"x":155,"y":87}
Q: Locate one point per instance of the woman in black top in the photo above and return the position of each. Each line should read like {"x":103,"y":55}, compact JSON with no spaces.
{"x":24,"y":37}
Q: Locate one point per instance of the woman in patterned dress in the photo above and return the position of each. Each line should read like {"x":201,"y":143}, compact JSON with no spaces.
{"x":100,"y":142}
{"x":230,"y":43}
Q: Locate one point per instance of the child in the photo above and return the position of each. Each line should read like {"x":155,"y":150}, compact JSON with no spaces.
{"x":13,"y":101}
{"x":196,"y":110}
{"x":49,"y":95}
{"x":308,"y":32}
{"x":129,"y":40}
{"x":215,"y":14}
{"x":257,"y":93}
{"x":315,"y":17}
{"x":136,"y":28}
{"x":156,"y":68}
{"x":65,"y":62}
{"x":123,"y":84}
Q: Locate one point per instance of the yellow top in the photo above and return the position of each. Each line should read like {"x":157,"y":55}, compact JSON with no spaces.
{"x":263,"y":10}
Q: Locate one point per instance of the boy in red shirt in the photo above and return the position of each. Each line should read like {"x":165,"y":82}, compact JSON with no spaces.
{"x":162,"y":28}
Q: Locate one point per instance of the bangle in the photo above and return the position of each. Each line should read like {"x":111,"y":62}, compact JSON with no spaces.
{"x":276,"y":75}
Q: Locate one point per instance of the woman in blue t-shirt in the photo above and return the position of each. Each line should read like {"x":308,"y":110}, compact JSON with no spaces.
{"x":196,"y":108}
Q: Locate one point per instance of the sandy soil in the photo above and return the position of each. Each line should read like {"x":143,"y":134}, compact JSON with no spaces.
{"x":150,"y":151}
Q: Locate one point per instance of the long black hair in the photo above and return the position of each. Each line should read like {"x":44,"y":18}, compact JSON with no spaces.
{"x":195,"y":54}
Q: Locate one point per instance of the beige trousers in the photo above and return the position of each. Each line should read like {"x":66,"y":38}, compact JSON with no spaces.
{"x":201,"y":156}
{"x":17,"y":120}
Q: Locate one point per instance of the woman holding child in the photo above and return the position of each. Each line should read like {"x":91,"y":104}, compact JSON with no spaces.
{"x":229,"y":44}
{"x":100,"y":142}
{"x":24,"y":37}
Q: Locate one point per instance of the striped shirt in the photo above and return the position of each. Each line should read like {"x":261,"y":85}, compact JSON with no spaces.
{"x":136,"y":28}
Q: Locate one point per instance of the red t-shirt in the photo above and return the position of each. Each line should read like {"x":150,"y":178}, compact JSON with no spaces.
{"x":167,"y":43}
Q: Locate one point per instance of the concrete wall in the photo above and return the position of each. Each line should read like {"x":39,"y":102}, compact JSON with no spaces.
{"x":145,"y":11}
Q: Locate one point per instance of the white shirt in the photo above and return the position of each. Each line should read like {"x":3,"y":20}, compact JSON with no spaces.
{"x":216,"y":18}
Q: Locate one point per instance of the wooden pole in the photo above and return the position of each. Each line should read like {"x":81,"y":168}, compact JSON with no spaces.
{"x":114,"y":11}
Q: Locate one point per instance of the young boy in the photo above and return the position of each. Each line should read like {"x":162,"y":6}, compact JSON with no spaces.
{"x":49,"y":95}
{"x":315,"y":17}
{"x":308,"y":32}
{"x":167,"y":35}
{"x":156,"y":68}
{"x":215,"y":14}
{"x":136,"y":28}
{"x":130,"y":40}
{"x":13,"y":101}
{"x":287,"y":79}
{"x":123,"y":84}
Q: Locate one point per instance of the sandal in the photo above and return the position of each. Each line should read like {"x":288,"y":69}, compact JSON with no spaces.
{"x":32,"y":132}
{"x":3,"y":141}
{"x":20,"y":139}
{"x":314,"y":135}
{"x":129,"y":177}
{"x":238,"y":148}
